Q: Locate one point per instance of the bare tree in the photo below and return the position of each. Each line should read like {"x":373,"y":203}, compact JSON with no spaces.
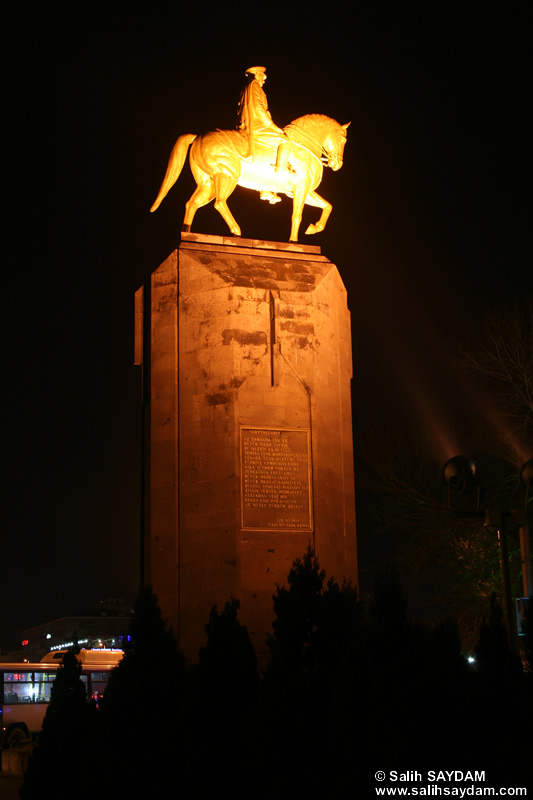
{"x":503,"y":353}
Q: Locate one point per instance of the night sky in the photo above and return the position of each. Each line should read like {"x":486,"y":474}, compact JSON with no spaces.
{"x":429,"y":230}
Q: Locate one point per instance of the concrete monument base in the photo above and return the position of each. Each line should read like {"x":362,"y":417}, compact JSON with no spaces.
{"x":247,"y":369}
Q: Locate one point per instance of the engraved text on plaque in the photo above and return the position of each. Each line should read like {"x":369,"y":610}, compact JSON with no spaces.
{"x":275,"y":479}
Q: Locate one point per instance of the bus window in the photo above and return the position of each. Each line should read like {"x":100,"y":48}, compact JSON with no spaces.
{"x":98,"y":682}
{"x":43,"y":686}
{"x":18,"y":687}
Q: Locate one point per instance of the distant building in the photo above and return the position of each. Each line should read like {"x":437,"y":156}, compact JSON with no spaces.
{"x":106,"y":628}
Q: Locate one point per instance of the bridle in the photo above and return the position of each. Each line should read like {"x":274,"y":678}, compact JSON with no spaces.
{"x":311,"y":144}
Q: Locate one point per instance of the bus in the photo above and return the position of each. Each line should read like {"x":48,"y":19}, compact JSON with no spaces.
{"x":25,"y":690}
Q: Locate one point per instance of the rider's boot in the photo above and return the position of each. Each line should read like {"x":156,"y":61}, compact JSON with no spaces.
{"x":271,"y":197}
{"x":282,"y":160}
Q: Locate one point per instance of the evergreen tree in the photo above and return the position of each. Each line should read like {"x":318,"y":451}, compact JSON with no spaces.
{"x":297,"y":609}
{"x":307,"y":686}
{"x":314,"y":626}
{"x":142,"y":705}
{"x":60,"y":756}
{"x":222,"y":703}
{"x":227,"y":666}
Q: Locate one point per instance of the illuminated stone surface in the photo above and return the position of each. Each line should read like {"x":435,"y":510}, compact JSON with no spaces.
{"x":250,"y":428}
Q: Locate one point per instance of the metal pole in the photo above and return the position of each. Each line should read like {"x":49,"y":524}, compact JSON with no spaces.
{"x":504,"y":564}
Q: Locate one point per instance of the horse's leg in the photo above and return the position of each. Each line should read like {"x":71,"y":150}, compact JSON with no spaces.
{"x":224,"y":186}
{"x":326,"y":207}
{"x":204,"y":192}
{"x":299,"y":193}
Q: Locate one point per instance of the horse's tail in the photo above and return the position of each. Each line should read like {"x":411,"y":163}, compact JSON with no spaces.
{"x":175,"y":165}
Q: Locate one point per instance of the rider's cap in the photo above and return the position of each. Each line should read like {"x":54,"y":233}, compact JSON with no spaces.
{"x":255,"y":70}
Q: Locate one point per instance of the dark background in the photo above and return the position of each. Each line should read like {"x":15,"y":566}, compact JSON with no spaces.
{"x":429,"y":229}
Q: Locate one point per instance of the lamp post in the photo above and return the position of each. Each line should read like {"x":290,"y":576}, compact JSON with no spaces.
{"x":526,"y":477}
{"x":498,"y":520}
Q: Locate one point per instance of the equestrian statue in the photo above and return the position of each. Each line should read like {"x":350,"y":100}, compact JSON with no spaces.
{"x":259,"y":155}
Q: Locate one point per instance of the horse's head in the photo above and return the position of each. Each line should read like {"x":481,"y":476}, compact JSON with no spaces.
{"x":334,"y":146}
{"x":323,"y":136}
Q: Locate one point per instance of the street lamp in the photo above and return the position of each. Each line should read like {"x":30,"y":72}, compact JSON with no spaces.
{"x":459,"y":473}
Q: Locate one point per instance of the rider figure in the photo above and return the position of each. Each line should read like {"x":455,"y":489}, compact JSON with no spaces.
{"x":253,"y":116}
{"x":254,"y":120}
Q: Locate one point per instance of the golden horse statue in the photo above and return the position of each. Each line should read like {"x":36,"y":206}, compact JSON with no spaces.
{"x":218,"y":164}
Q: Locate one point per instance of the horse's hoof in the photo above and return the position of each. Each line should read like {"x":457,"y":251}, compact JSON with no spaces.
{"x":312,"y":229}
{"x":185,"y":228}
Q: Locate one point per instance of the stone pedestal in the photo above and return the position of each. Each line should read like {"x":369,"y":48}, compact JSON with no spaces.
{"x":248,"y":427}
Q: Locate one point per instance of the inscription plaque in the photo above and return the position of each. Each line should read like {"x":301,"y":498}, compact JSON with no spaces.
{"x":275,"y":479}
